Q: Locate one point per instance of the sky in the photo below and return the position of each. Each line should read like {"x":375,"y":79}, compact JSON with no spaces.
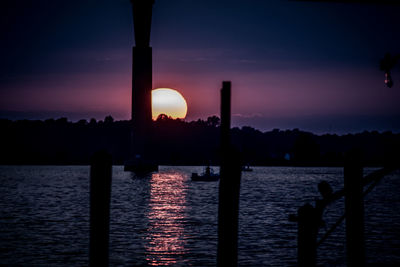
{"x":293,"y":64}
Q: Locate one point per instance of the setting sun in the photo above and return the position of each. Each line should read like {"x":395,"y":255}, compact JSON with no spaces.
{"x":169,"y":102}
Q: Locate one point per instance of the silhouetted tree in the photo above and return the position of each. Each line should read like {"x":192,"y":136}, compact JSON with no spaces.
{"x":82,"y":122}
{"x":163,"y":117}
{"x":108,"y":119}
{"x":305,"y":149}
{"x":49,"y":121}
{"x":180,"y":142}
{"x":213,"y":121}
{"x":62,"y":121}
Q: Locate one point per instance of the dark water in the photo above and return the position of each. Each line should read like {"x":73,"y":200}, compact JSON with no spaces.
{"x":166,"y":219}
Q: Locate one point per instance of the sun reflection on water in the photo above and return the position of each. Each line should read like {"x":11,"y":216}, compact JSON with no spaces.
{"x":165,"y":232}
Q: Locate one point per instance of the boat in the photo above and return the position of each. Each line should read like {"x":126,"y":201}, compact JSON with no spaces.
{"x":207,"y":176}
{"x":247,"y":168}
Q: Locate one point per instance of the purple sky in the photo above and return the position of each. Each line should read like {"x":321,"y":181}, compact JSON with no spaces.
{"x":313,"y":66}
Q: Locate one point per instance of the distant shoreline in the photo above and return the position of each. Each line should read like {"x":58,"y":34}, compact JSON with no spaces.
{"x":176,"y":142}
{"x":198,"y":165}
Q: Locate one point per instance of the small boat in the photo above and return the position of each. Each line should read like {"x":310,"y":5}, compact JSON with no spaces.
{"x":246,"y":168}
{"x":207,"y":176}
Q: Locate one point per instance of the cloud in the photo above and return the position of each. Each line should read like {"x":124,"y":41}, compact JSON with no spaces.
{"x":247,"y":116}
{"x":339,"y":124}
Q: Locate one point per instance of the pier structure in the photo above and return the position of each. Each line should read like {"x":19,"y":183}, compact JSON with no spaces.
{"x":309,"y":218}
{"x":229,"y":187}
{"x":139,"y":161}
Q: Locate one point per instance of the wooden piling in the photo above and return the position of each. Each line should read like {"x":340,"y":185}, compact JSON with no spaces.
{"x":307,"y":230}
{"x":225,"y":116}
{"x":100,"y":194}
{"x":229,"y":188}
{"x":354,"y":210}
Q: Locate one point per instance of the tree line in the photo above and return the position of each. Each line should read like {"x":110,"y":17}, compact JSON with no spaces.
{"x":177,"y":142}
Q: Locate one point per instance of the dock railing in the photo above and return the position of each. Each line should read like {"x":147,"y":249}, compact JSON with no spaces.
{"x":309,"y":218}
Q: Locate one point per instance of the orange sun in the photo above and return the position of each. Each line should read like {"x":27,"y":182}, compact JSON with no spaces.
{"x":169,"y":102}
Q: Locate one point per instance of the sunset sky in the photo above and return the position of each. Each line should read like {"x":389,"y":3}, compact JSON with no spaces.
{"x":307,"y":65}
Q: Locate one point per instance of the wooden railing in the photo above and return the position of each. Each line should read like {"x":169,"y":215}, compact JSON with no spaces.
{"x":309,"y":218}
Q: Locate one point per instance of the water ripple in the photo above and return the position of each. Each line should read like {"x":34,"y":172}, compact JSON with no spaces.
{"x":167,"y":220}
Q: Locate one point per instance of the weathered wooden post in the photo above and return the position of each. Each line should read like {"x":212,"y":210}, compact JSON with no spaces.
{"x":354,"y":210}
{"x":307,"y":221}
{"x":100,"y":194}
{"x":229,"y":188}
